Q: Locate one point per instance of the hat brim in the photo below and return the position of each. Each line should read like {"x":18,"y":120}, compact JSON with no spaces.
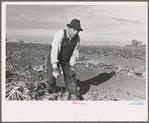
{"x":79,"y":29}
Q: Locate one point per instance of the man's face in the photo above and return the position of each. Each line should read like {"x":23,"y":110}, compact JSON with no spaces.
{"x":72,"y":32}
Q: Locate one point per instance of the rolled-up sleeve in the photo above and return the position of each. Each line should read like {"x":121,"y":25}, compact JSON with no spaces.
{"x":56,"y":45}
{"x":75,"y":55}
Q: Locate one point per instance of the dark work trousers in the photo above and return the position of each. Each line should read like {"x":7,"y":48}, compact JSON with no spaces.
{"x":64,"y":58}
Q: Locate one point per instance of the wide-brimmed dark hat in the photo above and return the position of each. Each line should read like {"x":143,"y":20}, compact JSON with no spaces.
{"x":75,"y":23}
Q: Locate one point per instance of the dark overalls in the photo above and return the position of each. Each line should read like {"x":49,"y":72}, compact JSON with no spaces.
{"x":67,"y":48}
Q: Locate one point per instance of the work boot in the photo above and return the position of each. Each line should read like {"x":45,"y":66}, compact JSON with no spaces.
{"x":80,"y":97}
{"x":73,"y":98}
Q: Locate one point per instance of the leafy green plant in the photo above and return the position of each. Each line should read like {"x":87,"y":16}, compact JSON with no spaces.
{"x":16,"y":91}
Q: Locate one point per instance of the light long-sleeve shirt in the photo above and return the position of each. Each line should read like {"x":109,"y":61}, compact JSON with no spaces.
{"x":56,"y":47}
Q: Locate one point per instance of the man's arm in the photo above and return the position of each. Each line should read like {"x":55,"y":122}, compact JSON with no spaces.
{"x":56,"y":45}
{"x":75,"y":55}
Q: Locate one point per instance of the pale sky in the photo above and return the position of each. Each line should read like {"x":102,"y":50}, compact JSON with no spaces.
{"x":102,"y":24}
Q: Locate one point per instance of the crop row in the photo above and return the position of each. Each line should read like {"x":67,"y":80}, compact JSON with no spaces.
{"x":114,"y":51}
{"x":123,"y":52}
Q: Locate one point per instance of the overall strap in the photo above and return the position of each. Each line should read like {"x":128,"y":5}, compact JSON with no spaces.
{"x":65,"y":36}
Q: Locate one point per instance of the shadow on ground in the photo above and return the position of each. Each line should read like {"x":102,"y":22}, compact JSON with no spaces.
{"x":101,"y":78}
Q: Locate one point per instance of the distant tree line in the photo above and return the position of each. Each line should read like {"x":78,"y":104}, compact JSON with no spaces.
{"x":19,"y":41}
{"x":136,"y":43}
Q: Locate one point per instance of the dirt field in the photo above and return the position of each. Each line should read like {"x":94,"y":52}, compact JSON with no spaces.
{"x":123,"y":87}
{"x":102,"y":77}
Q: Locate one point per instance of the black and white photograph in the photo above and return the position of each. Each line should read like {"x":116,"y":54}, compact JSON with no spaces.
{"x":77,"y":53}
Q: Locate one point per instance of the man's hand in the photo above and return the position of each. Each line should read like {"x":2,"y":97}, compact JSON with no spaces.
{"x":56,"y":73}
{"x":72,"y":70}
